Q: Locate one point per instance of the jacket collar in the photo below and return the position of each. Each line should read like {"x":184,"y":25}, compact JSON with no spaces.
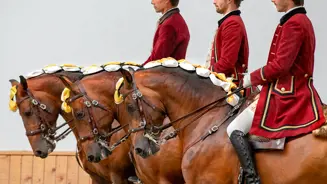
{"x":236,"y":12}
{"x":168,"y":14}
{"x":291,"y":13}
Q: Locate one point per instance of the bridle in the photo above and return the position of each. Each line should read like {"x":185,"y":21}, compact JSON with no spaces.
{"x":48,"y":132}
{"x":100,"y":138}
{"x":155,"y":130}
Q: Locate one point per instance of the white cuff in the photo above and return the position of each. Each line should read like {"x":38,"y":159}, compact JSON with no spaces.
{"x":247,"y":81}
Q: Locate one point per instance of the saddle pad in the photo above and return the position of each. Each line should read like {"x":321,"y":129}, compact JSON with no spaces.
{"x":262,"y":143}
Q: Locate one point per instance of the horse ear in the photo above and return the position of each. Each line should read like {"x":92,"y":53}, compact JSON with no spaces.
{"x":14,"y":82}
{"x":128,"y":78}
{"x":23,"y":82}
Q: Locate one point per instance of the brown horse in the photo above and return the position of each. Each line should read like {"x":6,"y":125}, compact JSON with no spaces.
{"x":164,"y":167}
{"x":39,"y":120}
{"x":212,"y":159}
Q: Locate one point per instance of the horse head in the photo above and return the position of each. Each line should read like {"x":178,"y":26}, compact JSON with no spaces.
{"x":91,"y":115}
{"x":144,"y":110}
{"x":38,"y":109}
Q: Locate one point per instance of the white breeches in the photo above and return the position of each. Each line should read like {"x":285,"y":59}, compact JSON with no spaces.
{"x":243,"y":121}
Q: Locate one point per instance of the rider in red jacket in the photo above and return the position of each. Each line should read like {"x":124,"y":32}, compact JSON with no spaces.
{"x":172,"y":35}
{"x":289,"y":104}
{"x":230,"y":49}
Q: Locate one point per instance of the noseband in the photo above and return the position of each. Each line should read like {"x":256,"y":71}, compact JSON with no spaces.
{"x":98,"y":137}
{"x":45,"y":127}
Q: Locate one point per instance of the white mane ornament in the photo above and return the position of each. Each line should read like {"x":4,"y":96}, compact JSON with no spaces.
{"x":218,"y":79}
{"x":53,"y":68}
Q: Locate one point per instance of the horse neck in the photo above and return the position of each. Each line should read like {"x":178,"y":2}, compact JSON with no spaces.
{"x":180,"y":92}
{"x":122,"y":117}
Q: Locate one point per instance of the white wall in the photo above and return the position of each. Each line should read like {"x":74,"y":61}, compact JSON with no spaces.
{"x":35,"y":33}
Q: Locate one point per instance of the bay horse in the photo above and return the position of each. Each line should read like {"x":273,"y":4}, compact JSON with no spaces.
{"x":40,"y":120}
{"x":207,"y":154}
{"x":164,"y":167}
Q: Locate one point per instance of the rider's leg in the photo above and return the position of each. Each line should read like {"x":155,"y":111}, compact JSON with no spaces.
{"x":236,"y":131}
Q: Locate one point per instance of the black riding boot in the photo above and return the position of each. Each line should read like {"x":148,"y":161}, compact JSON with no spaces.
{"x":245,"y":155}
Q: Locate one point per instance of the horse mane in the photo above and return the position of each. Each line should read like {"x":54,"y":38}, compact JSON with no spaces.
{"x":72,"y":76}
{"x":41,"y":80}
{"x":188,"y":80}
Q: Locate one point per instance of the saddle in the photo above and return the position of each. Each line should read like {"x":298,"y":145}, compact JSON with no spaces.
{"x":263,"y":143}
{"x":258,"y":142}
{"x":322,"y":131}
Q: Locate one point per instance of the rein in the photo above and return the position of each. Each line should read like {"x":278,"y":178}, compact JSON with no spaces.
{"x":163,"y":127}
{"x":89,"y":103}
{"x":154,"y":130}
{"x":44,"y":126}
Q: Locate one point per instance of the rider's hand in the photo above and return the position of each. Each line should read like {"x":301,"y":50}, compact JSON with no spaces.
{"x":247,"y":81}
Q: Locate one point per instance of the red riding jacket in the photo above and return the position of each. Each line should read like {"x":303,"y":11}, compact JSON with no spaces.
{"x":289,"y":104}
{"x":171,"y":38}
{"x":230,"y":50}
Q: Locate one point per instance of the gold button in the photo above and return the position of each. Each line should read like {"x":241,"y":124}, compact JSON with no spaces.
{"x":243,"y":65}
{"x":283,"y":89}
{"x":306,"y":75}
{"x":232,"y":75}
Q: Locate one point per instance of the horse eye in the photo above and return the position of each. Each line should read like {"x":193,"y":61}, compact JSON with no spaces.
{"x":28,"y":113}
{"x":131,"y":108}
{"x":79,"y":115}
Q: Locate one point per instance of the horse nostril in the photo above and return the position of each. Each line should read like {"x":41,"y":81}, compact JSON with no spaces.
{"x":41,"y":154}
{"x":90,"y":158}
{"x":138,"y":150}
{"x":38,"y":153}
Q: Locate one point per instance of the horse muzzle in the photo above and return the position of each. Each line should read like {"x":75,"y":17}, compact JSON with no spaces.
{"x":146,"y":147}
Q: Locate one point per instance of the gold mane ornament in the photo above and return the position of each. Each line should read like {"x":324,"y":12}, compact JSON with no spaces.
{"x":64,"y":96}
{"x":12,"y":104}
{"x":117,"y":96}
